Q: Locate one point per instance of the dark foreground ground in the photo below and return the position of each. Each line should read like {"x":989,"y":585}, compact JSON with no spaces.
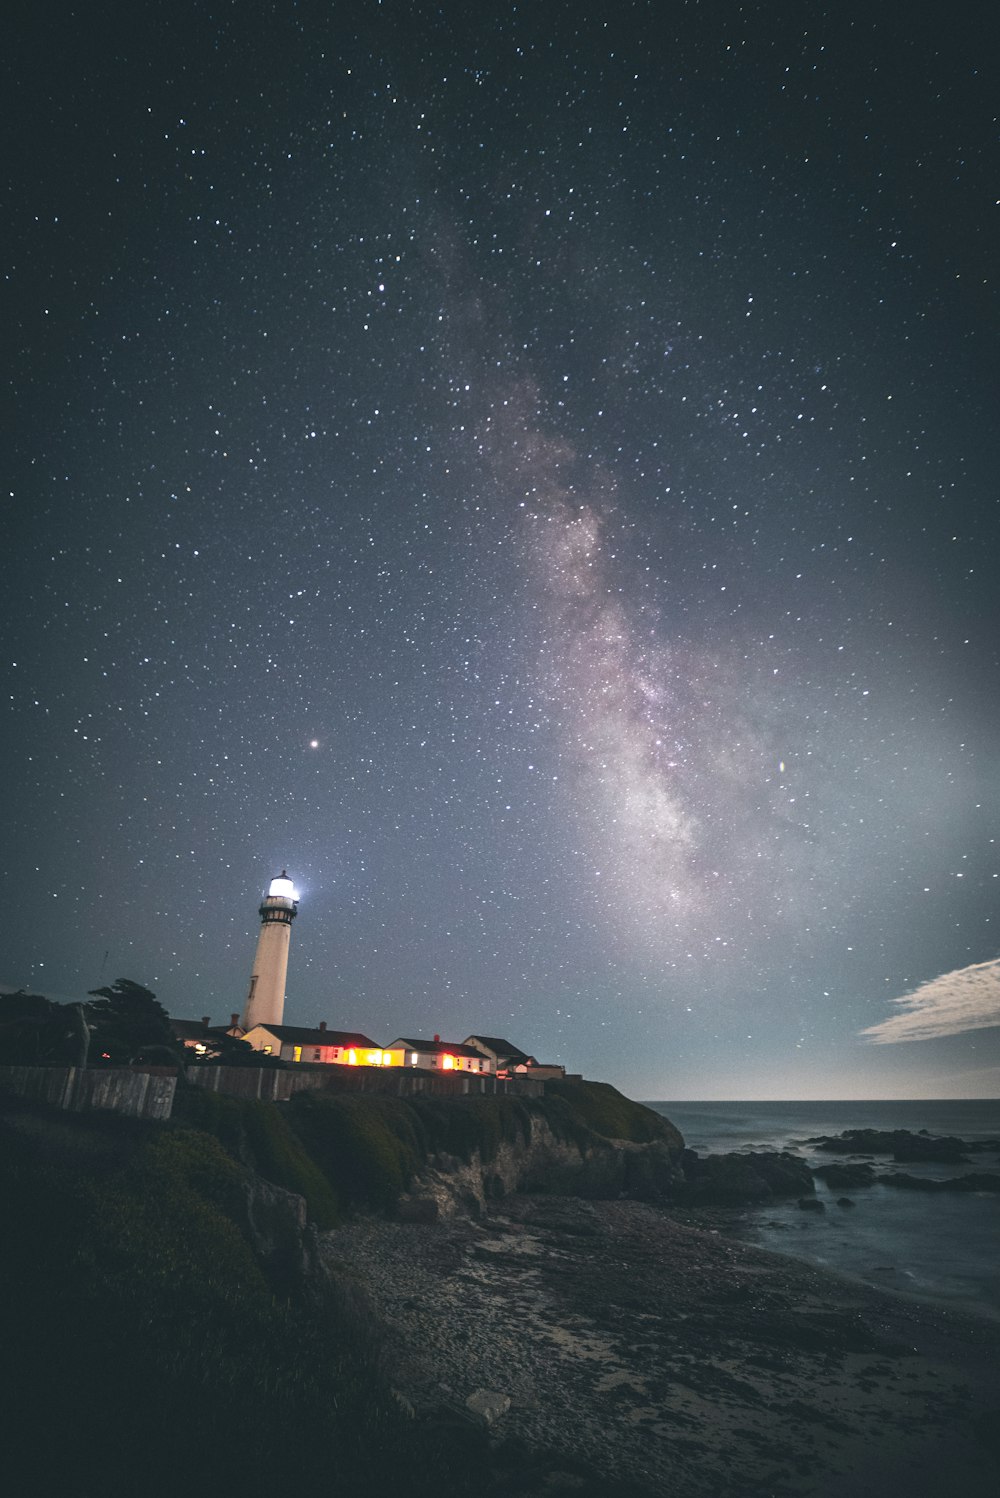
{"x":676,"y":1361}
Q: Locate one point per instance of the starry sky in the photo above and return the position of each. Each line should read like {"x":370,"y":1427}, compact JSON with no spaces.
{"x":531,"y":471}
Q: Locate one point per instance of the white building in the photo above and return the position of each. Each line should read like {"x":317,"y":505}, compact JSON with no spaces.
{"x":436,"y":1055}
{"x":266,"y":996}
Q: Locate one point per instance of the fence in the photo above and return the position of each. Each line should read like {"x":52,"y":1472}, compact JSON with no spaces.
{"x":150,"y":1093}
{"x":137,"y":1094}
{"x":276,"y":1086}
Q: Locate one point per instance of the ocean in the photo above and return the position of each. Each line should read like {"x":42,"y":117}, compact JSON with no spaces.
{"x":942,"y":1246}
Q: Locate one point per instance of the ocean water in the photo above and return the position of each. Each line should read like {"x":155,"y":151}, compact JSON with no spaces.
{"x":943,"y":1246}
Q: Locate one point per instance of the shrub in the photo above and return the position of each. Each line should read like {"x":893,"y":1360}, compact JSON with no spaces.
{"x":259,"y":1135}
{"x":144,"y":1350}
{"x":367,"y":1147}
{"x":463,"y":1125}
{"x":606,"y":1111}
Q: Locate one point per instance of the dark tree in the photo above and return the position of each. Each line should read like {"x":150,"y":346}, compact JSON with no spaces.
{"x":129,"y":1024}
{"x":229,"y":1050}
{"x":35,"y":1031}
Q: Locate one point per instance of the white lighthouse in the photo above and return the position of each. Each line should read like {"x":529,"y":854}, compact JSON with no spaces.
{"x":265,"y":1003}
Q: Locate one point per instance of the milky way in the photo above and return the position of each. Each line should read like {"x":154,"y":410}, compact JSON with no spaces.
{"x":531,"y":472}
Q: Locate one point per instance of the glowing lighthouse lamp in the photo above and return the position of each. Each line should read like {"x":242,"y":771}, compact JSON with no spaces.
{"x":265,"y":1003}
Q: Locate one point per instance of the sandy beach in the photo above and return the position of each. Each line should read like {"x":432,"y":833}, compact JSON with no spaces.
{"x":675,"y":1360}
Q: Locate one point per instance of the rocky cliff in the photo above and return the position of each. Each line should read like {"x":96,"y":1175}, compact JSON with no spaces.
{"x":548,"y":1161}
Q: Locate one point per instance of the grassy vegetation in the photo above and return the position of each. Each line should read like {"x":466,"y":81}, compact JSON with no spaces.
{"x":145,"y":1349}
{"x":152,"y":1344}
{"x":370,"y":1148}
{"x":462,"y":1126}
{"x":259,"y":1135}
{"x":367,"y":1147}
{"x":348,"y":1152}
{"x":604,"y":1110}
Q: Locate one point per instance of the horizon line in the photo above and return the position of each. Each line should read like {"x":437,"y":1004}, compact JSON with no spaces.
{"x":882,"y":1099}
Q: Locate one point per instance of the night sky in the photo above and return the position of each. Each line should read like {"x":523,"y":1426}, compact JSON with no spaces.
{"x":531,"y":471}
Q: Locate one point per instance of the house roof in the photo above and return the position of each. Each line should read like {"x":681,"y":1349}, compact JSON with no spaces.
{"x":195,"y":1029}
{"x":306,"y":1035}
{"x":500,"y":1047}
{"x":435,"y":1047}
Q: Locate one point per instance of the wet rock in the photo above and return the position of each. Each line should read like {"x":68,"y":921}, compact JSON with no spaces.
{"x":845,"y":1201}
{"x":417,"y":1209}
{"x":645,"y":1321}
{"x":841,"y":1175}
{"x":949,"y":1151}
{"x":861,"y":1141}
{"x":904,"y":1145}
{"x":744,"y":1179}
{"x":976,"y":1181}
{"x":811,"y":1204}
{"x":488,"y":1406}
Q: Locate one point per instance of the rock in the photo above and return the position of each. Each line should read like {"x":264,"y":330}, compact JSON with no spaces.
{"x":846,"y":1175}
{"x":977,"y":1181}
{"x":785,"y":1174}
{"x":844,"y":1201}
{"x":417,"y":1209}
{"x":488,"y":1406}
{"x":650,"y":1171}
{"x":902,"y":1144}
{"x":737,"y":1180}
{"x":283,"y":1240}
{"x":570,"y":1160}
{"x":949,"y":1151}
{"x":811,"y":1204}
{"x":859,"y":1141}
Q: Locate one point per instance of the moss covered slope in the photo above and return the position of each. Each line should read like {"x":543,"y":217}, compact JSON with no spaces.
{"x":345,"y":1152}
{"x":148,"y":1348}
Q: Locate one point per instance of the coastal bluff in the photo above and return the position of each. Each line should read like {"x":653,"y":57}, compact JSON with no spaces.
{"x":250,"y":1261}
{"x":584,"y":1139}
{"x":427,"y":1159}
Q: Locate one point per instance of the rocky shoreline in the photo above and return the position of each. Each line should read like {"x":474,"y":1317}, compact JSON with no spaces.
{"x":747,"y":1177}
{"x":613,"y":1346}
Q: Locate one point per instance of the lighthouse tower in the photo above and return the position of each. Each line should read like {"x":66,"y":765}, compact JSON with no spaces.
{"x":265,"y":1003}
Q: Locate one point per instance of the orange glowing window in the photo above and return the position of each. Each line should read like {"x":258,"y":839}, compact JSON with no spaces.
{"x":448,"y":1063}
{"x":352,"y":1057}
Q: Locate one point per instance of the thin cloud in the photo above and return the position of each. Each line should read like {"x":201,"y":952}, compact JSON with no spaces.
{"x":967,"y":999}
